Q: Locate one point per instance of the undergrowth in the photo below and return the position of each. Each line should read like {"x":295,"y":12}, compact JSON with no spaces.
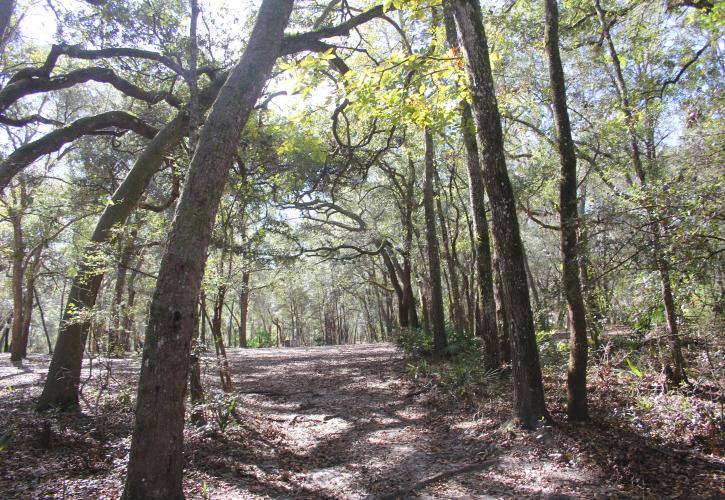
{"x":626,"y":380}
{"x":462,"y":374}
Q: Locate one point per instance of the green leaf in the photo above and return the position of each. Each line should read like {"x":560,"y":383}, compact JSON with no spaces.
{"x":637,"y":372}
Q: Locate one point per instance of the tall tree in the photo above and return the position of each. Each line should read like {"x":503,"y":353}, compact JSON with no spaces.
{"x":529,"y":404}
{"x":61,"y":385}
{"x":486,"y":326}
{"x":568,"y":210}
{"x":156,"y":460}
{"x":676,"y":373}
{"x":437,"y":319}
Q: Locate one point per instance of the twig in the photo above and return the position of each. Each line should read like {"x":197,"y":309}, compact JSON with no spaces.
{"x":404,"y":492}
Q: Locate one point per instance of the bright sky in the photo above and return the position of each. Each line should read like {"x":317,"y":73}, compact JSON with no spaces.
{"x":39,"y":27}
{"x":39,"y":23}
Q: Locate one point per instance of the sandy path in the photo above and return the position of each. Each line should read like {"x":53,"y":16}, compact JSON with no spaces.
{"x":345,"y":425}
{"x":326,"y":422}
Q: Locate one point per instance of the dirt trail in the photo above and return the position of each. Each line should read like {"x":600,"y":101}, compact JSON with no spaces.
{"x":329,"y":422}
{"x":347,"y":424}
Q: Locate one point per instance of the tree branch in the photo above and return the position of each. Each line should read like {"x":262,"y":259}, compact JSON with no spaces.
{"x":53,"y":141}
{"x":27,"y":86}
{"x":304,"y":41}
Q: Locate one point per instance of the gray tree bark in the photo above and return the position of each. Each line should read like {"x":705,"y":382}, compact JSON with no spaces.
{"x":529,"y":405}
{"x":156,"y":461}
{"x":437,"y":318}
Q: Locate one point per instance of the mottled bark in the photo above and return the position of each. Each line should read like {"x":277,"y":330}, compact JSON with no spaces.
{"x":436,"y":316}
{"x":502,"y":320}
{"x":529,"y":405}
{"x":156,"y":461}
{"x":577,"y":406}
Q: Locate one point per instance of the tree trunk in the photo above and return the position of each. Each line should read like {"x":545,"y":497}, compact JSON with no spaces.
{"x":529,"y":405}
{"x":116,"y":334}
{"x":29,"y":297}
{"x":589,"y":288}
{"x":458,"y":316}
{"x":6,"y":13}
{"x":216,"y":332}
{"x":485,"y":315}
{"x":6,"y":334}
{"x":677,"y":374}
{"x":42,"y":320}
{"x":128,"y":325}
{"x":196,"y":388}
{"x":230,"y":325}
{"x":407,"y":274}
{"x":61,"y":385}
{"x":577,"y":408}
{"x":437,"y":318}
{"x":243,"y":309}
{"x":16,"y":346}
{"x":541,"y":319}
{"x":502,"y":320}
{"x":156,"y":461}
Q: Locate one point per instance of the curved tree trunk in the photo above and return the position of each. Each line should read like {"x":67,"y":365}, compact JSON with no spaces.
{"x":156,"y":461}
{"x":61,"y":385}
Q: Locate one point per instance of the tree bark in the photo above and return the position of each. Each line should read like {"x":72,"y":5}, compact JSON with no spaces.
{"x":457,"y":314}
{"x":502,"y":320}
{"x":6,"y":333}
{"x":6,"y":13}
{"x":116,"y":344}
{"x":55,"y":140}
{"x":577,"y":407}
{"x":243,"y":309}
{"x":399,"y":293}
{"x":485,"y":317}
{"x":437,"y":317}
{"x":529,"y":405}
{"x":156,"y":461}
{"x":16,"y":345}
{"x":29,"y":296}
{"x":216,"y":332}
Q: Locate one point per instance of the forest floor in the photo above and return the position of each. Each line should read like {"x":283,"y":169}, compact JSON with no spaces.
{"x":346,"y":422}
